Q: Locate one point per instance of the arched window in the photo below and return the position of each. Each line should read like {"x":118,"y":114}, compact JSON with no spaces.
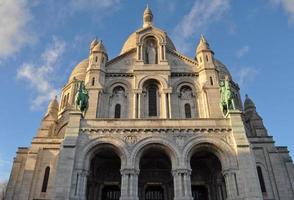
{"x":211,"y":81}
{"x":261,"y":180}
{"x":96,"y":58}
{"x":152,"y":100}
{"x":93,"y":81}
{"x":188,"y":111}
{"x":46,"y":179}
{"x":117,"y":111}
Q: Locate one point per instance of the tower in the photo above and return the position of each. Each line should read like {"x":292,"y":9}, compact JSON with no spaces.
{"x":95,"y":76}
{"x":208,"y":78}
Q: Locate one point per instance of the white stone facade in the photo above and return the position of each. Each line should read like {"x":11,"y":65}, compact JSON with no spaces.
{"x":153,"y":130}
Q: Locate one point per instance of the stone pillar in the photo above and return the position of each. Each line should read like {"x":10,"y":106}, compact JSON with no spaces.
{"x":129,"y":184}
{"x":135,"y":105}
{"x":231,"y":184}
{"x":169,"y":105}
{"x":182,"y":184}
{"x":139,"y":105}
{"x":163,"y":105}
{"x":64,"y":171}
{"x":81,"y":184}
{"x":246,"y":177}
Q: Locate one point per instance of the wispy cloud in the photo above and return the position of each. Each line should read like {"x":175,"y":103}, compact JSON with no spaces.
{"x":288,"y":6}
{"x":5,"y":167}
{"x":14,"y":34}
{"x":202,"y":14}
{"x":93,"y":4}
{"x":40,"y":76}
{"x":246,"y":75}
{"x":242,"y":51}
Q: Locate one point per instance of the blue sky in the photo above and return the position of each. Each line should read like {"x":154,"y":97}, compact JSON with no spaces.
{"x":41,"y":41}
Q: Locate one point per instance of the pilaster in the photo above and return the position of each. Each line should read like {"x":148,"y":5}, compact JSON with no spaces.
{"x":64,"y":171}
{"x":246,"y":177}
{"x":129,"y":185}
{"x":182,"y":184}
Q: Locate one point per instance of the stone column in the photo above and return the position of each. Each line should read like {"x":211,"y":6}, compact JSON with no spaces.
{"x":135,"y":105}
{"x":169,"y":105}
{"x":81,"y":184}
{"x":163,"y":105}
{"x":139,"y":105}
{"x":64,"y":170}
{"x":231,"y":184}
{"x":182,"y":184}
{"x":129,"y":184}
{"x":246,"y":177}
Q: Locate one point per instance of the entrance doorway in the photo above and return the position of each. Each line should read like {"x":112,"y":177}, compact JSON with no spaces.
{"x":155,"y":178}
{"x":199,"y":192}
{"x":110,"y":192}
{"x":104,"y":178}
{"x":207,"y":180}
{"x":154,"y":193}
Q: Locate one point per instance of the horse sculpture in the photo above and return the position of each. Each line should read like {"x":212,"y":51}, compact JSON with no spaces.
{"x":81,"y":98}
{"x":227,"y":98}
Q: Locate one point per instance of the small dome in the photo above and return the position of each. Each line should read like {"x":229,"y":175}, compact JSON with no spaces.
{"x":93,"y":43}
{"x":249,"y":104}
{"x":131,"y":43}
{"x":203,"y":45}
{"x":99,"y":47}
{"x":53,"y":104}
{"x":52,"y":108}
{"x":79,"y":72}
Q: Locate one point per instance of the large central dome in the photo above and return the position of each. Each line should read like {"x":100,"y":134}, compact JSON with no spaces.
{"x":131,"y":42}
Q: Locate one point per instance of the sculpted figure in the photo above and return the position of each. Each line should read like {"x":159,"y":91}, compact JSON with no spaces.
{"x":150,"y":53}
{"x":227,"y":98}
{"x":81,"y":98}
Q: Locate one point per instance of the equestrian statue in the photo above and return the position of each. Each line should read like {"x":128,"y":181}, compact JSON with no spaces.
{"x":81,"y":98}
{"x":227,"y":96}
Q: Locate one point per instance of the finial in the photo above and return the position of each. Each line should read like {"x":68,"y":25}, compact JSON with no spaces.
{"x":246,"y":95}
{"x":147,"y":17}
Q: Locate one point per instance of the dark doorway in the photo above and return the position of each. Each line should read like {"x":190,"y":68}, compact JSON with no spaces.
{"x":199,"y":192}
{"x":155,"y":178}
{"x":206,"y":178}
{"x":110,"y":192}
{"x":154,"y":193}
{"x":104,"y":178}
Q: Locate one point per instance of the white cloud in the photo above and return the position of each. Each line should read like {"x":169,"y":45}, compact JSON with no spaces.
{"x":41,"y":76}
{"x":14,"y":18}
{"x":288,"y":6}
{"x":202,"y":14}
{"x":5,"y":167}
{"x":246,"y":75}
{"x":90,"y":4}
{"x":243,"y":51}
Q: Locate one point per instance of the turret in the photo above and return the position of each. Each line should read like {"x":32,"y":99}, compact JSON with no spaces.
{"x":208,"y":78}
{"x":147,"y":17}
{"x":252,"y":119}
{"x":52,"y":109}
{"x":95,"y":76}
{"x":204,"y":55}
{"x":49,"y":121}
{"x":97,"y":61}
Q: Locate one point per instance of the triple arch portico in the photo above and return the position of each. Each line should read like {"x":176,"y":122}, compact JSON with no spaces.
{"x":153,"y":168}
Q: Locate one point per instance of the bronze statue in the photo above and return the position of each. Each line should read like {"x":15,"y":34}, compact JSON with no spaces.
{"x":227,"y":97}
{"x":81,"y":98}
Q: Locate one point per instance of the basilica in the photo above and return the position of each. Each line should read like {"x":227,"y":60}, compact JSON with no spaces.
{"x":151,"y":124}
